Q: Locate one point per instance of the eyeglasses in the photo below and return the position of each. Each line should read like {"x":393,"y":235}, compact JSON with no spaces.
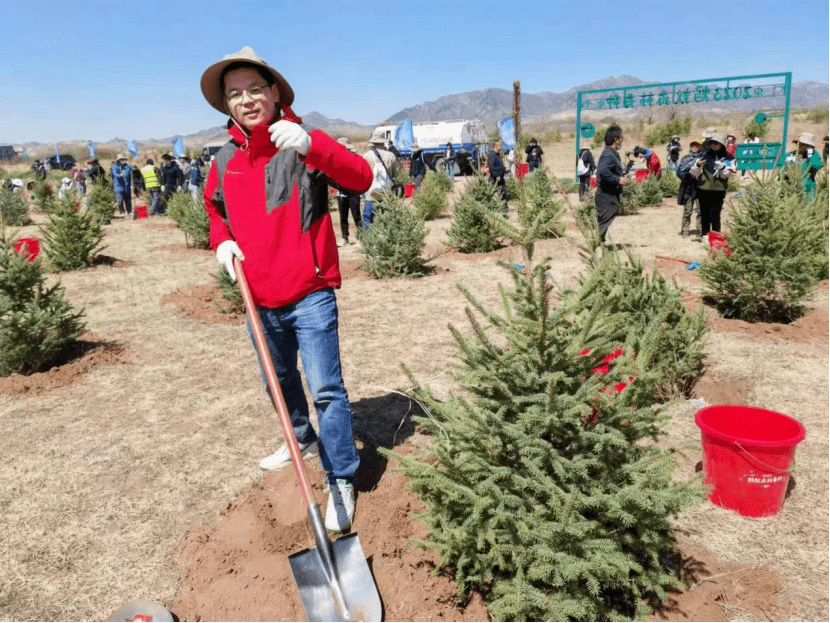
{"x":255,"y":92}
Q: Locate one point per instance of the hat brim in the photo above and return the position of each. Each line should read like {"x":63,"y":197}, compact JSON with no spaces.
{"x":211,"y":83}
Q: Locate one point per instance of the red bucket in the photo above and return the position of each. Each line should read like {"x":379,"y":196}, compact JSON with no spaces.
{"x":29,"y":247}
{"x":408,"y":189}
{"x":747,"y":453}
{"x":141,"y":211}
{"x":521,"y":170}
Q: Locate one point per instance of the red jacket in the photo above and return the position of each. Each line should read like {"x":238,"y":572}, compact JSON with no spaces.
{"x":653,"y":162}
{"x":276,"y":205}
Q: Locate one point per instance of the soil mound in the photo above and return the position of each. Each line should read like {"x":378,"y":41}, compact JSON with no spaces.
{"x":204,"y":303}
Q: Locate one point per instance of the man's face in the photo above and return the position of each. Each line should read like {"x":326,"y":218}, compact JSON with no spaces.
{"x":695,"y":148}
{"x":250,"y":100}
{"x":618,"y":143}
{"x":802,"y":149}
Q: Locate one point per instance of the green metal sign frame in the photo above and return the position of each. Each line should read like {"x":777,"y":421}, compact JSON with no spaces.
{"x":760,"y":155}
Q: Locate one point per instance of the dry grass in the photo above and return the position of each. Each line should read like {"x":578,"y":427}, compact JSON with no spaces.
{"x":101,"y":480}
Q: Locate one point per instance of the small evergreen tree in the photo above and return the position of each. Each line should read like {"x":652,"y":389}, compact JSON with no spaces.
{"x":441,"y":178}
{"x":72,"y":235}
{"x":778,"y":243}
{"x":36,"y":322}
{"x":649,"y":192}
{"x":392,"y":245}
{"x":191,"y":218}
{"x":471,"y":231}
{"x":630,"y":200}
{"x":13,"y":210}
{"x":536,"y":202}
{"x":568,"y":184}
{"x":230,"y":292}
{"x":431,"y":202}
{"x":101,"y":201}
{"x":43,"y":196}
{"x":669,"y":184}
{"x":545,"y":489}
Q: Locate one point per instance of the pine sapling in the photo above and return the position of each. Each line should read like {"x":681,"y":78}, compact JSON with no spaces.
{"x":13,"y":210}
{"x":431,"y":202}
{"x":536,"y":202}
{"x":649,"y":192}
{"x":471,"y":230}
{"x":72,"y":235}
{"x":392,"y":245}
{"x":101,"y":201}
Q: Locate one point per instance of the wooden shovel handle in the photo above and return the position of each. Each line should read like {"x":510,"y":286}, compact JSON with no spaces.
{"x":273,"y":382}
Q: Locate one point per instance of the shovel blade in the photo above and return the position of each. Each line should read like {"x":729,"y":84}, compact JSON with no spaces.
{"x":356,"y":581}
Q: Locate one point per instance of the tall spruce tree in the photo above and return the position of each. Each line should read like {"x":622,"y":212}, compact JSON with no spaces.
{"x":544,"y":486}
{"x":36,"y":321}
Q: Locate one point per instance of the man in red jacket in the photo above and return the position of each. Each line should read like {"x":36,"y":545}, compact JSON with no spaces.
{"x":266,"y":196}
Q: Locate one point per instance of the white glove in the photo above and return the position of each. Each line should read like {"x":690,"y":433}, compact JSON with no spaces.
{"x":225,"y":253}
{"x":696,"y":170}
{"x":290,"y":135}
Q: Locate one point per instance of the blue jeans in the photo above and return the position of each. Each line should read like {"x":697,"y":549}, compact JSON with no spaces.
{"x":155,"y":197}
{"x":309,"y":327}
{"x":451,"y":169}
{"x":124,"y":201}
{"x":368,"y":213}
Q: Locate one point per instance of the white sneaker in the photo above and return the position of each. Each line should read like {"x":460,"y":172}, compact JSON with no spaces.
{"x":281,"y":457}
{"x":340,"y":509}
{"x":343,"y":243}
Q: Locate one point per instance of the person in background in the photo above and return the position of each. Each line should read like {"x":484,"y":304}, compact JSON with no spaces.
{"x":810,"y":162}
{"x":713,"y":169}
{"x":171,"y":177}
{"x":824,"y":152}
{"x":122,"y":179}
{"x":673,"y":152}
{"x":611,"y":181}
{"x":731,"y":144}
{"x":286,"y":242}
{"x":138,"y":182}
{"x":184,"y":165}
{"x":78,"y":174}
{"x":534,"y":155}
{"x":196,"y":178}
{"x":384,"y":164}
{"x":95,"y":172}
{"x":585,"y":167}
{"x":348,"y":203}
{"x":65,"y":187}
{"x":40,"y":169}
{"x":417,"y":166}
{"x":497,"y":172}
{"x":687,"y":194}
{"x":449,"y":160}
{"x":651,"y":159}
{"x":152,"y":182}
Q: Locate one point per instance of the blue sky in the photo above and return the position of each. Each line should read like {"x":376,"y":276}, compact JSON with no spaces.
{"x":99,"y":70}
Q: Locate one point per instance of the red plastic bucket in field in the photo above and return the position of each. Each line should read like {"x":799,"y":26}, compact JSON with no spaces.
{"x":747,"y":453}
{"x":141,"y":211}
{"x":640,"y":175}
{"x":408,"y":189}
{"x":521,"y":170}
{"x":29,"y":247}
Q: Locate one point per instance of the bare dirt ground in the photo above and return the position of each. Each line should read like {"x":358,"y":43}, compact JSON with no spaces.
{"x":135,"y":474}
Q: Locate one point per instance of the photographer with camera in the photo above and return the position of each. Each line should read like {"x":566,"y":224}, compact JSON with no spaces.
{"x":714,"y":168}
{"x":611,"y":180}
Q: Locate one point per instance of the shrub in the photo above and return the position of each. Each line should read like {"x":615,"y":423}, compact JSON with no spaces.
{"x":513,"y":186}
{"x":817,"y":114}
{"x":758,"y":129}
{"x":778,"y":242}
{"x":392,"y":245}
{"x":43,"y":196}
{"x":471,"y":230}
{"x":431,"y":202}
{"x":568,"y":184}
{"x":191,"y":218}
{"x":649,"y":193}
{"x":630,"y":200}
{"x":670,"y":184}
{"x":36,"y":322}
{"x":230,"y":292}
{"x":440,"y":178}
{"x":551,"y":136}
{"x":598,"y":140}
{"x":536,"y":204}
{"x":662,"y":133}
{"x":544,"y":488}
{"x":72,"y":236}
{"x":101,"y":201}
{"x":13,"y":210}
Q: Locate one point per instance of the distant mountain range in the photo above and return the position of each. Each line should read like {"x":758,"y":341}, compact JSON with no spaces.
{"x":488,"y":105}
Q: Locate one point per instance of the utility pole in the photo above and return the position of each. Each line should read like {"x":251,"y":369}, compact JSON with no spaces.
{"x":516,"y":122}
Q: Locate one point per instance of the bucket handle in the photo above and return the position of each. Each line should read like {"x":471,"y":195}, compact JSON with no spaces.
{"x":774,"y":470}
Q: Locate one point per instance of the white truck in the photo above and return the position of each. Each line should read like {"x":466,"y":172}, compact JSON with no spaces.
{"x":468,"y":137}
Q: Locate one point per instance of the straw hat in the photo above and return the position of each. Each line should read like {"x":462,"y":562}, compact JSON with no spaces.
{"x":806,"y":138}
{"x":708,"y":132}
{"x":717,"y":137}
{"x":120,"y":157}
{"x":212,"y":79}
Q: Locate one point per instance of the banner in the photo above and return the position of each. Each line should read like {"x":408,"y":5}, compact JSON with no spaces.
{"x":133,"y":149}
{"x":25,"y":155}
{"x":178,"y":147}
{"x":506,"y":130}
{"x":57,"y":154}
{"x":91,"y":149}
{"x":404,"y":136}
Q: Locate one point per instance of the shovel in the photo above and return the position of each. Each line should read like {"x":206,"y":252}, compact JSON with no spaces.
{"x":334,"y":579}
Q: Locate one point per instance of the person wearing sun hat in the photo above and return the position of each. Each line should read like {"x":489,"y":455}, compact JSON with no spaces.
{"x":713,"y":169}
{"x":266,"y":197}
{"x":810,"y":162}
{"x":122,"y":178}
